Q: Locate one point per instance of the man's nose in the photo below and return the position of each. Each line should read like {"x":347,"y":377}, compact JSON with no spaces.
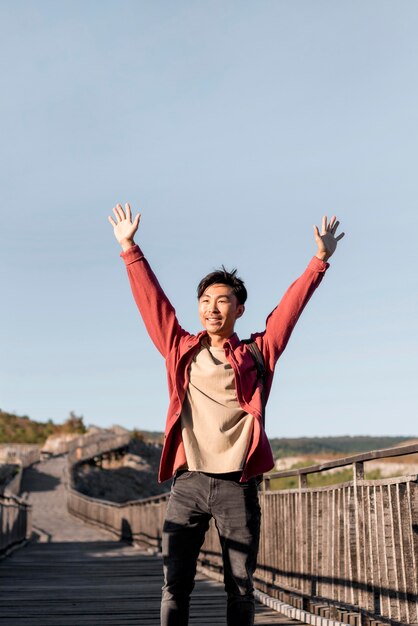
{"x":213,"y":307}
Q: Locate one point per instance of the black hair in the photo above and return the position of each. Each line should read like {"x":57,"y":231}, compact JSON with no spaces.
{"x":223,"y":277}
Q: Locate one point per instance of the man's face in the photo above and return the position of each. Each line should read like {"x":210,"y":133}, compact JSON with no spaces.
{"x":219,"y":309}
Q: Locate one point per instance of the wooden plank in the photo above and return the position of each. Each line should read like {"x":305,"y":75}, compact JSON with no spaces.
{"x":98,"y":583}
{"x":76,"y":575}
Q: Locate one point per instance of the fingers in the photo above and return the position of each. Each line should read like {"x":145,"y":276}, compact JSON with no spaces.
{"x":119,"y":214}
{"x":331,"y":223}
{"x":137,"y":220}
{"x":112,"y":221}
{"x":316,"y":231}
{"x":335,"y":226}
{"x":331,"y":227}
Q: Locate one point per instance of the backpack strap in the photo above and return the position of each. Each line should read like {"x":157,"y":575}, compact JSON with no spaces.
{"x":261,"y":371}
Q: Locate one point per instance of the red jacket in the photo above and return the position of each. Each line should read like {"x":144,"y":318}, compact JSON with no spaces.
{"x":178,"y":348}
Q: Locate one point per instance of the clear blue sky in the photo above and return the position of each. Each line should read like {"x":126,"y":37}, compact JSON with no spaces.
{"x":233,"y":126}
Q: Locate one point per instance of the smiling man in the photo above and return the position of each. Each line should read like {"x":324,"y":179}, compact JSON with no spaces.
{"x":215,"y":445}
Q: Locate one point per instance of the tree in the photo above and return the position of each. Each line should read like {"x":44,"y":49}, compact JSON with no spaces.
{"x":73,"y":424}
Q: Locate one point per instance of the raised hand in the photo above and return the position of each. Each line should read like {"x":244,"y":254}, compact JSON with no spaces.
{"x":124,"y":228}
{"x":326,"y":240}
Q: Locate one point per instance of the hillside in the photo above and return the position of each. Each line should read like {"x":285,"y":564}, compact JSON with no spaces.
{"x":299,"y":446}
{"x":22,"y":429}
{"x":341,"y":446}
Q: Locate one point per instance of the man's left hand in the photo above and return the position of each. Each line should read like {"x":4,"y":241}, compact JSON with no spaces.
{"x":326,"y":240}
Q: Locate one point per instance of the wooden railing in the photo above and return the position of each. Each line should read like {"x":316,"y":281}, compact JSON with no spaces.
{"x":57,"y":446}
{"x":22,"y":454}
{"x":347,"y":552}
{"x":139,"y":521}
{"x":15,"y":523}
{"x":356,"y":461}
{"x":353,"y":545}
{"x":15,"y":513}
{"x":11,"y":486}
{"x":96,"y":446}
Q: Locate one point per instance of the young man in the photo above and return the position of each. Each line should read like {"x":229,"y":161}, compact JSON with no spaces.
{"x":215,"y":445}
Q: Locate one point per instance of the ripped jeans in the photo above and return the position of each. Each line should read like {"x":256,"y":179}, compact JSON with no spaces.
{"x":195,"y":498}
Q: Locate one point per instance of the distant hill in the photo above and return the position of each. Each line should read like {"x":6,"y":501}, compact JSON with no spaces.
{"x":332,"y":445}
{"x":22,"y":429}
{"x":299,"y":446}
{"x":150,"y":436}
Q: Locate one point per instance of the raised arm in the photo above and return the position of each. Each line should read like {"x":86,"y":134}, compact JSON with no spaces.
{"x":282,"y":320}
{"x":156,"y":310}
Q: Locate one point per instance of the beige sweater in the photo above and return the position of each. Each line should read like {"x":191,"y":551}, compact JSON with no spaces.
{"x":216,"y":431}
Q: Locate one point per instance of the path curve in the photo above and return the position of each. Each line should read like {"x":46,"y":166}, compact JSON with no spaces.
{"x":44,"y":482}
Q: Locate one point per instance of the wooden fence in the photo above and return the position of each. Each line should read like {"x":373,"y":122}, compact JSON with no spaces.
{"x":22,"y":454}
{"x":347,"y":552}
{"x":11,"y":486}
{"x":15,"y":513}
{"x":15,"y":523}
{"x":353,"y":545}
{"x":96,"y":446}
{"x":139,"y":521}
{"x":57,"y":445}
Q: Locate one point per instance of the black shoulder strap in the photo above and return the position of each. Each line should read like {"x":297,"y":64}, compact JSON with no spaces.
{"x":257,"y":356}
{"x":261,"y":371}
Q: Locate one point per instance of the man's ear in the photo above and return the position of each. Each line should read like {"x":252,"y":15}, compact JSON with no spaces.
{"x":240,"y":310}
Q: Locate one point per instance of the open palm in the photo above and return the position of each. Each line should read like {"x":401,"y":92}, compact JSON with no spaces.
{"x":326,"y":239}
{"x":123,"y":226}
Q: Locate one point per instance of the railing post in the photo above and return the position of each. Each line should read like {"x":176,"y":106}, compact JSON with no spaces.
{"x":301,"y":532}
{"x":358,"y":472}
{"x":358,"y":475}
{"x":303,"y":481}
{"x":28,"y":521}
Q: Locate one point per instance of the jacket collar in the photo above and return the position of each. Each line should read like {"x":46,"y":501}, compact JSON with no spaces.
{"x":232,"y":342}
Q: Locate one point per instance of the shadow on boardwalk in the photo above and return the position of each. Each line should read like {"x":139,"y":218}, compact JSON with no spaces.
{"x":76,"y":575}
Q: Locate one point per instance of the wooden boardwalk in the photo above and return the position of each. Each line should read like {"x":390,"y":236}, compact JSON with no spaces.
{"x":75,"y":575}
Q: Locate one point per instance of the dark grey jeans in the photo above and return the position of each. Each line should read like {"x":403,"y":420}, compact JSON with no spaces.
{"x":195,"y":498}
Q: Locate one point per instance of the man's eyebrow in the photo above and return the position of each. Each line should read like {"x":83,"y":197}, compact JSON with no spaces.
{"x":219,"y":295}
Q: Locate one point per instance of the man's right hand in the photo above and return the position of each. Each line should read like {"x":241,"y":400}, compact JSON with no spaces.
{"x":124,"y":228}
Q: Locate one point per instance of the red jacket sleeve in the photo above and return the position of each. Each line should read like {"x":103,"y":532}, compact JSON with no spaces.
{"x":156,"y":310}
{"x":281,"y":322}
